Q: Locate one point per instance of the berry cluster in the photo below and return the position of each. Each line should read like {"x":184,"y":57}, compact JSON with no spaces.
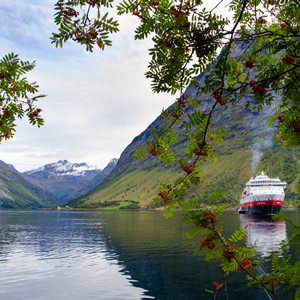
{"x":279,"y":117}
{"x":91,"y":35}
{"x":244,"y":264}
{"x":210,"y":241}
{"x":198,"y":151}
{"x":35,"y":113}
{"x":288,"y":59}
{"x":218,"y":96}
{"x":6,"y":135}
{"x":177,"y":11}
{"x":258,"y":89}
{"x":164,"y":195}
{"x":188,"y":168}
{"x":249,"y":64}
{"x":152,"y":150}
{"x":183,"y":100}
{"x":69,"y":11}
{"x":296,"y":127}
{"x":261,"y":20}
{"x":207,"y":219}
{"x":138,"y":14}
{"x":229,"y":252}
{"x":93,"y":3}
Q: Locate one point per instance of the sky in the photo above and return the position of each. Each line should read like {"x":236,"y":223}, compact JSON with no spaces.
{"x":96,"y":103}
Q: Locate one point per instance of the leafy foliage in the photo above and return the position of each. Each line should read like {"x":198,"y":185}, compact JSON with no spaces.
{"x":17,"y":95}
{"x":186,"y":38}
{"x":77,"y":24}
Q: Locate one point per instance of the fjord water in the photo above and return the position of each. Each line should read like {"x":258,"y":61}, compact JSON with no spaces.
{"x":76,"y":255}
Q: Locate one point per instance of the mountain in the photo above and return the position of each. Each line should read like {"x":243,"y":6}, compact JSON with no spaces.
{"x":95,"y":181}
{"x":18,"y":191}
{"x":249,"y":147}
{"x":64,"y":179}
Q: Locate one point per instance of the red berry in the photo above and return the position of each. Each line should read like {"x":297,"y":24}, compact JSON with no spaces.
{"x":288,"y":59}
{"x":217,"y":95}
{"x":163,"y":195}
{"x":188,"y":169}
{"x":261,"y":20}
{"x":249,"y":64}
{"x":153,"y":150}
{"x":296,"y":127}
{"x":244,"y":264}
{"x":279,"y":117}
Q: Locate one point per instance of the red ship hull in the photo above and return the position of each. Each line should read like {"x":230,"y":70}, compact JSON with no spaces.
{"x":261,"y":207}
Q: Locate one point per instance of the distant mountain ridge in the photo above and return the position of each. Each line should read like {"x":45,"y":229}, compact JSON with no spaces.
{"x":65,"y":179}
{"x":63,"y":168}
{"x":19,"y":191}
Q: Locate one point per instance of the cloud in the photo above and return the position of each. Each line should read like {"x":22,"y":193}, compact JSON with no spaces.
{"x":96,"y":102}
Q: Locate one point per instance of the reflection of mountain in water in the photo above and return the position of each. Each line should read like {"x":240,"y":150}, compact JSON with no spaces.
{"x":132,"y":255}
{"x":158,"y":257}
{"x":265,"y":232}
{"x":58,"y":255}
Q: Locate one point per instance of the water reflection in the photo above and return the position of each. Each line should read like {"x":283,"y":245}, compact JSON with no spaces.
{"x":265,"y":232}
{"x":115,"y":255}
{"x":61,"y":256}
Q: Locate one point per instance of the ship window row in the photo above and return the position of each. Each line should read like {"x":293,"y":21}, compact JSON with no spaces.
{"x":262,"y":184}
{"x":266,"y":181}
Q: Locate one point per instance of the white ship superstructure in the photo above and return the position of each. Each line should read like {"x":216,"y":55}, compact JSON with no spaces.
{"x":263,"y":195}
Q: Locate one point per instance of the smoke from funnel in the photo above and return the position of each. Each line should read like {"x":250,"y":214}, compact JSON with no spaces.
{"x":256,"y":156}
{"x":258,"y":151}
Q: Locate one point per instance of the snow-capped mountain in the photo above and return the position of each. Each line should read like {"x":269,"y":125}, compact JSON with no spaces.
{"x":64,"y":179}
{"x":98,"y":179}
{"x":64,"y":168}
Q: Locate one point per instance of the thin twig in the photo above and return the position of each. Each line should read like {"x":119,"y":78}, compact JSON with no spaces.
{"x":215,"y":6}
{"x":87,"y":15}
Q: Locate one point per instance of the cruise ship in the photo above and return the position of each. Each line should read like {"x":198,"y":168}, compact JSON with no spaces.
{"x":262,"y":195}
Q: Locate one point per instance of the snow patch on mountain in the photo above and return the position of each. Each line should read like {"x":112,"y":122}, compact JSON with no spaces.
{"x":64,"y":168}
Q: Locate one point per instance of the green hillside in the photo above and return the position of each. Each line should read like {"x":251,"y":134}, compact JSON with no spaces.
{"x":249,"y":147}
{"x":17,"y":191}
{"x":230,"y":172}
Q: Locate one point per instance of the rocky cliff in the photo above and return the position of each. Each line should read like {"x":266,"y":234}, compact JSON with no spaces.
{"x":249,"y":147}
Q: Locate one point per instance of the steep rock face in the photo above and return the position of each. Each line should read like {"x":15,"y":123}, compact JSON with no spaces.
{"x":239,"y":155}
{"x":247,"y":130}
{"x":235,"y":119}
{"x":64,"y":179}
{"x":18,"y":191}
